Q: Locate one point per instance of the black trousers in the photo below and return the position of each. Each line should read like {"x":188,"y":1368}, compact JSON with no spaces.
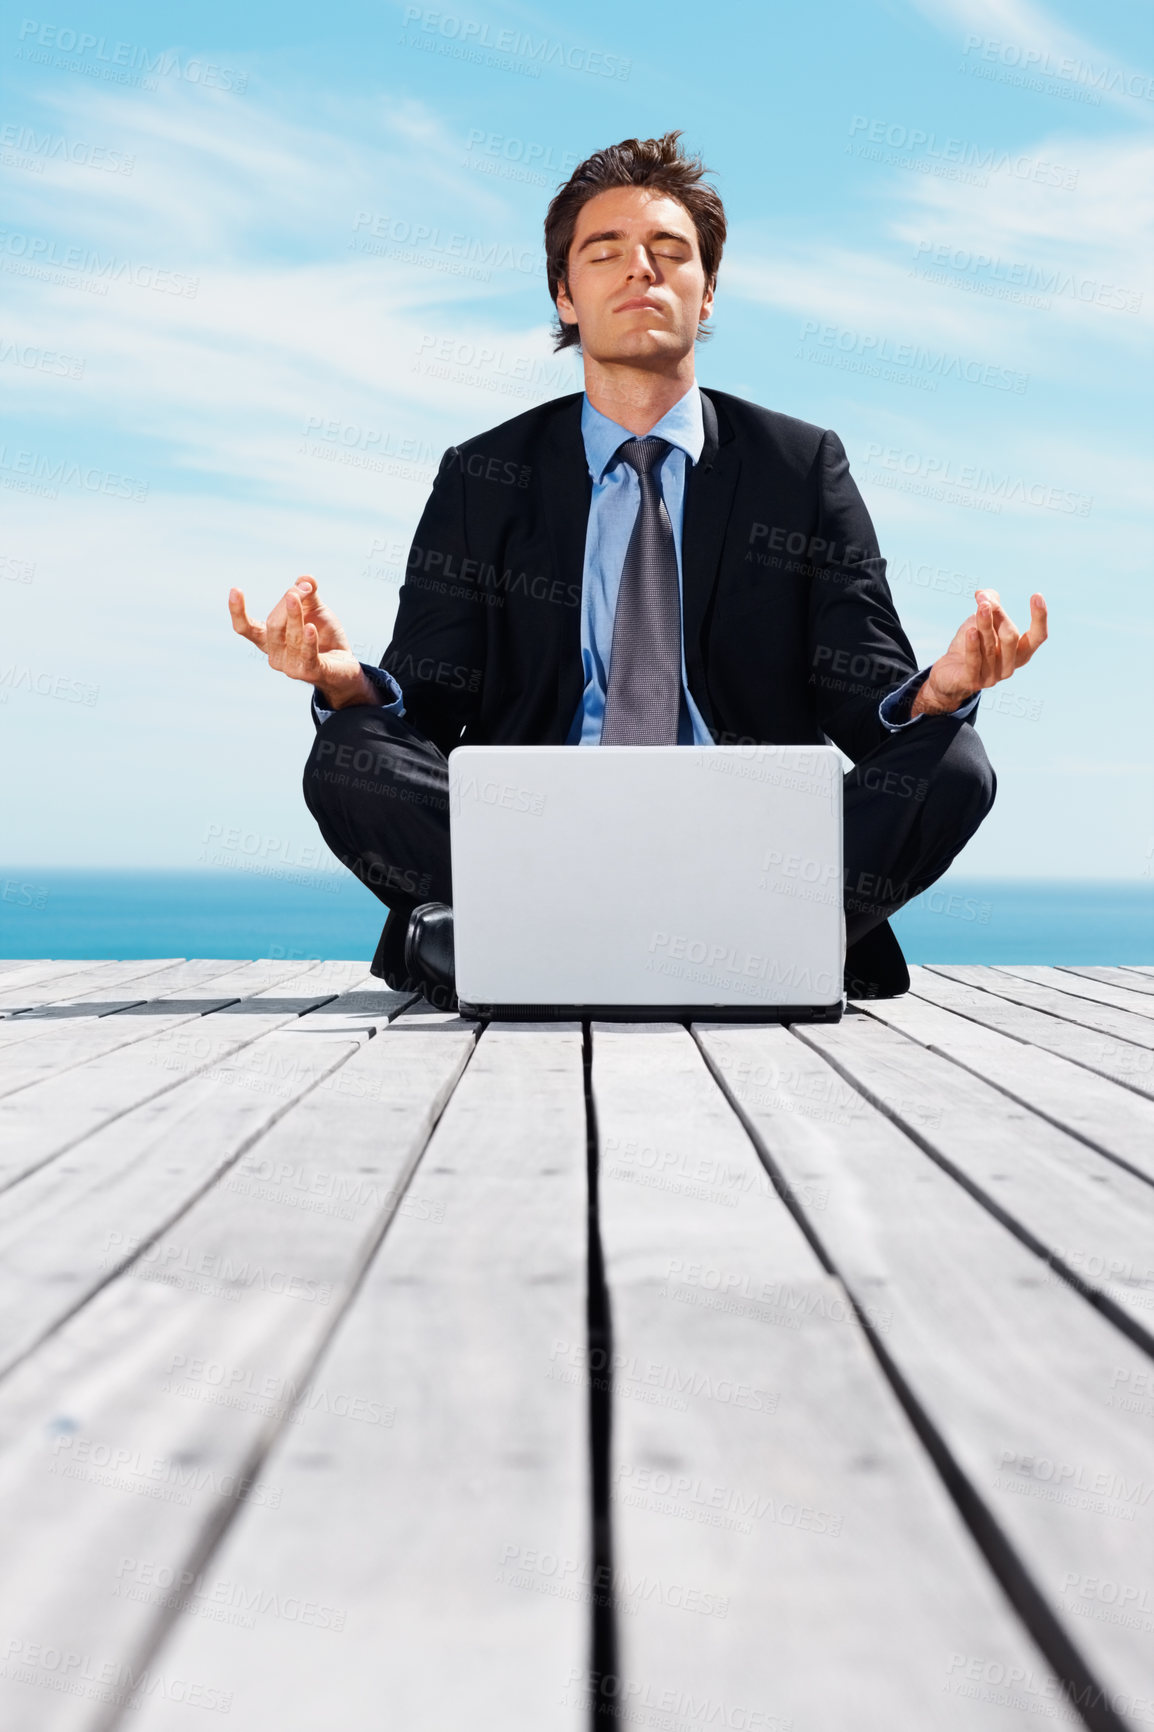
{"x":378,"y":790}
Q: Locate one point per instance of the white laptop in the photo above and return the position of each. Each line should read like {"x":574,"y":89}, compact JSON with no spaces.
{"x":648,"y":881}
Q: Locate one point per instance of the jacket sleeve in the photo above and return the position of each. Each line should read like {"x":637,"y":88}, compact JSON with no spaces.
{"x":858,"y":651}
{"x":437,"y":650}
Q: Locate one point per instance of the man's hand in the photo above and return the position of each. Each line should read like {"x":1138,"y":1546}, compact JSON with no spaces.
{"x":986,"y":648}
{"x":304,"y":640}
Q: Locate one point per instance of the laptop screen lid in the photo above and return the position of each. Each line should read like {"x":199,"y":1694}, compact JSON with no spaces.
{"x":647,"y":879}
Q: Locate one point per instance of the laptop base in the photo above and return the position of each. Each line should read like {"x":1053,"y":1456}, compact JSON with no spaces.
{"x":653,"y":1012}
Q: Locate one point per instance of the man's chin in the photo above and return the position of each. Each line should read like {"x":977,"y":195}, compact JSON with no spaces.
{"x":641,"y":348}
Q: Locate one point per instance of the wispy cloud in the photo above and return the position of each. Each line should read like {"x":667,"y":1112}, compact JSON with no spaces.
{"x":949,"y":256}
{"x":1019,"y":34}
{"x":227,"y":380}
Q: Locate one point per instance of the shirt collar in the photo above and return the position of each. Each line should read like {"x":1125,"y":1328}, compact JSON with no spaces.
{"x":681,"y":426}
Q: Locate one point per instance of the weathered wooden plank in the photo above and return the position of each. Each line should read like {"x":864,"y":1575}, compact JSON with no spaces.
{"x":781,"y":1543}
{"x":1124,"y":1061}
{"x":1066,"y":983}
{"x":427,"y":1534}
{"x":236,"y":980}
{"x":429,"y":1440}
{"x":68,"y":1228}
{"x":1019,"y":1380}
{"x":71,"y":1043}
{"x":1125,"y":979}
{"x":44,"y":1119}
{"x":75,"y":978}
{"x":1089,"y":1217}
{"x":47,"y":1046}
{"x":1084,"y":1009}
{"x":1110,"y":1118}
{"x":117,"y":1441}
{"x":26,"y":972}
{"x":365,"y":1006}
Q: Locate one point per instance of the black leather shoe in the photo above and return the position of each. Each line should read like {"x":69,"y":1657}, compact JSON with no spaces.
{"x":429,"y":953}
{"x":875,"y":966}
{"x":415,"y":953}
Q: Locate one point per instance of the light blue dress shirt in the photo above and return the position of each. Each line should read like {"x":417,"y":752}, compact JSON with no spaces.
{"x":613,"y":509}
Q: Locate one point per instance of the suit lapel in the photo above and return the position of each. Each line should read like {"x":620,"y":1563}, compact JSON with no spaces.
{"x":568,"y":491}
{"x":709,"y":488}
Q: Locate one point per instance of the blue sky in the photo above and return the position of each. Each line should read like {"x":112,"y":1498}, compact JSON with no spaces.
{"x":259,"y":271}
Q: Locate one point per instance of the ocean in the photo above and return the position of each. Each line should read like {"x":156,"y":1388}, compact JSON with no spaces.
{"x":51,"y":912}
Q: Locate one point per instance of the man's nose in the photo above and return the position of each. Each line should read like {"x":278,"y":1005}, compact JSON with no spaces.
{"x":640,"y":265}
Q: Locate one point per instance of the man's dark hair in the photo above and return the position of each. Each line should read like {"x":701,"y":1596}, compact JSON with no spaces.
{"x":659,"y":163}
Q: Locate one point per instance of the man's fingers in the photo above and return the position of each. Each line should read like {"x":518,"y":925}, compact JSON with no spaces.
{"x":973,"y":655}
{"x":301,"y":641}
{"x":252,"y":629}
{"x":988,"y":635}
{"x":294,"y":622}
{"x":1007,"y":644}
{"x":310,"y":655}
{"x":1037,"y":632}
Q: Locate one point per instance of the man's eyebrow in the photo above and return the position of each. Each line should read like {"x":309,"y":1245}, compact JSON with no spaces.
{"x":619,"y":235}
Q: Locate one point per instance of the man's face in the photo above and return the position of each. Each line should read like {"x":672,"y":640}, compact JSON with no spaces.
{"x":636,"y":282}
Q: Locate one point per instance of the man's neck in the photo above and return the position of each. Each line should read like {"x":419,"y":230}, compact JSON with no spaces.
{"x":634,"y":397}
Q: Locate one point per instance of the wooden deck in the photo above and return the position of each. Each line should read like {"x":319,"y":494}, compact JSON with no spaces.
{"x":362,"y":1371}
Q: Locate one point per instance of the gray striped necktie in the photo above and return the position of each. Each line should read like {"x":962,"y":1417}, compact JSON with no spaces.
{"x":643,"y":699}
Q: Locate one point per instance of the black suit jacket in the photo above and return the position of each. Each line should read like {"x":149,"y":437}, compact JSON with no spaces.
{"x":791,"y":636}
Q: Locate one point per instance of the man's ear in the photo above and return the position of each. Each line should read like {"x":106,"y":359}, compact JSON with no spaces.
{"x":564,"y":305}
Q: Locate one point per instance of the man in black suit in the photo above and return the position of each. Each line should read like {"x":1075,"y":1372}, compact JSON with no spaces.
{"x":554,"y":581}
